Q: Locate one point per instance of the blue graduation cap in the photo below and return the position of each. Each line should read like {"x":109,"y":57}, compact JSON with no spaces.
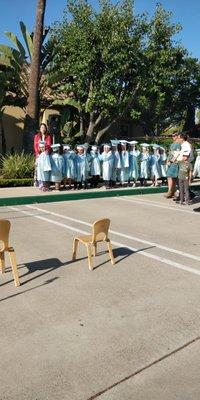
{"x":133,"y":142}
{"x":66,"y":147}
{"x":123,"y":141}
{"x":55,"y":146}
{"x":144,"y":145}
{"x":114,"y":142}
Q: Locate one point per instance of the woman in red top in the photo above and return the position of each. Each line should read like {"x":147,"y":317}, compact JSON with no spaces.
{"x":42,"y":135}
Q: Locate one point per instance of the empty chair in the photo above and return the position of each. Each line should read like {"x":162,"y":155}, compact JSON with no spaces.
{"x":4,"y":246}
{"x":99,"y":234}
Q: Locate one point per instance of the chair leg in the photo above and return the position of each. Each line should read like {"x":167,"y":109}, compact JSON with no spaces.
{"x":2,"y":261}
{"x":75,"y":246}
{"x":14,"y":266}
{"x":95,"y":249}
{"x":111,"y":253}
{"x":89,"y":253}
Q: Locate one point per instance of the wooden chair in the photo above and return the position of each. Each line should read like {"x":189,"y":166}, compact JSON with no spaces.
{"x":4,"y":246}
{"x":99,"y":234}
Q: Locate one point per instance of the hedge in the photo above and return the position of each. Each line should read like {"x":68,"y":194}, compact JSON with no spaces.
{"x":15,"y":182}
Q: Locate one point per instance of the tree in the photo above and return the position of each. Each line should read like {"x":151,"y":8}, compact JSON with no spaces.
{"x":2,"y":133}
{"x":98,"y":60}
{"x":171,"y":84}
{"x":31,"y":120}
{"x":116,"y":64}
{"x":15,"y":62}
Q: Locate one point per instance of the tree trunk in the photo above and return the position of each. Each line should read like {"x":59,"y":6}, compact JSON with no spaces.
{"x":189,"y":124}
{"x":32,"y":111}
{"x":3,"y":138}
{"x":102,"y":132}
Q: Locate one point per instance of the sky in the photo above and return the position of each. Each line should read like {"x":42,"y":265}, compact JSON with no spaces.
{"x":185,"y":12}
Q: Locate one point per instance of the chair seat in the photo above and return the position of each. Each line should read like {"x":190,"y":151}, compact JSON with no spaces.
{"x":99,"y":234}
{"x":85,"y":238}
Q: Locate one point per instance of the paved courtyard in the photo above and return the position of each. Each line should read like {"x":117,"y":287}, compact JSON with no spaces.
{"x":125,"y":332}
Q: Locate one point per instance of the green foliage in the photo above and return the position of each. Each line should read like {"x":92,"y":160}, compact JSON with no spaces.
{"x":15,"y":182}
{"x":118,"y":64}
{"x":15,"y":61}
{"x":172,"y":79}
{"x":98,"y":58}
{"x":17,"y":166}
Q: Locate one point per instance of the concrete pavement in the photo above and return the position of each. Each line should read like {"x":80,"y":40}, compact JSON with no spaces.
{"x":71,"y":334}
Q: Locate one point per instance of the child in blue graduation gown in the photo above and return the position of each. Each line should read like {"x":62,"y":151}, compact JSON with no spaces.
{"x":155,"y":165}
{"x":163,"y":164}
{"x":124,"y":156}
{"x":144,"y":159}
{"x":117,"y":162}
{"x":69,"y":173}
{"x":82,"y":167}
{"x":43,"y":167}
{"x":57,"y":166}
{"x":133,"y":163}
{"x":107,"y":158}
{"x":95,"y":166}
{"x":196,"y":172}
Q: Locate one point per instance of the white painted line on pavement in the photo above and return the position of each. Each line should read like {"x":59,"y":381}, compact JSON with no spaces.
{"x":144,"y":253}
{"x":155,"y":204}
{"x":169,"y":249}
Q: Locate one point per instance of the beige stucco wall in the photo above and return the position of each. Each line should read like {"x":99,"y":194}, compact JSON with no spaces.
{"x":46,"y":113}
{"x":13,"y":122}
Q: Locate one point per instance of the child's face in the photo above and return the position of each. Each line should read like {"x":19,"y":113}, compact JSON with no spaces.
{"x":42,"y":149}
{"x":80,"y":151}
{"x":185,"y":158}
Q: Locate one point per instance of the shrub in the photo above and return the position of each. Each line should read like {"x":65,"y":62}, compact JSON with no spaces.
{"x":15,"y":182}
{"x":17,"y":166}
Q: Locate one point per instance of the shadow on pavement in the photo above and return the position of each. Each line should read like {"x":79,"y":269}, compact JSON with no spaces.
{"x":47,"y":265}
{"x":28,"y":290}
{"x":120,"y":251}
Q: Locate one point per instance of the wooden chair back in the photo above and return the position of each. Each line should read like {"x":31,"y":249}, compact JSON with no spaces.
{"x":100,"y":230}
{"x":4,"y":234}
{"x":4,"y":246}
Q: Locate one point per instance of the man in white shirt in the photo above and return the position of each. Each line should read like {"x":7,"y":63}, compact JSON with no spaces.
{"x":185,"y":147}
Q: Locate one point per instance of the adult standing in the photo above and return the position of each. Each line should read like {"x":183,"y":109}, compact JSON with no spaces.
{"x":186,"y":147}
{"x":172,"y":170}
{"x":42,"y":135}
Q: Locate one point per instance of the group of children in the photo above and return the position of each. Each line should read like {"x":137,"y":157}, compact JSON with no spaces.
{"x":120,"y":161}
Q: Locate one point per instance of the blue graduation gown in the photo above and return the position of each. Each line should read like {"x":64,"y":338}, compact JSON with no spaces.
{"x":57,"y":167}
